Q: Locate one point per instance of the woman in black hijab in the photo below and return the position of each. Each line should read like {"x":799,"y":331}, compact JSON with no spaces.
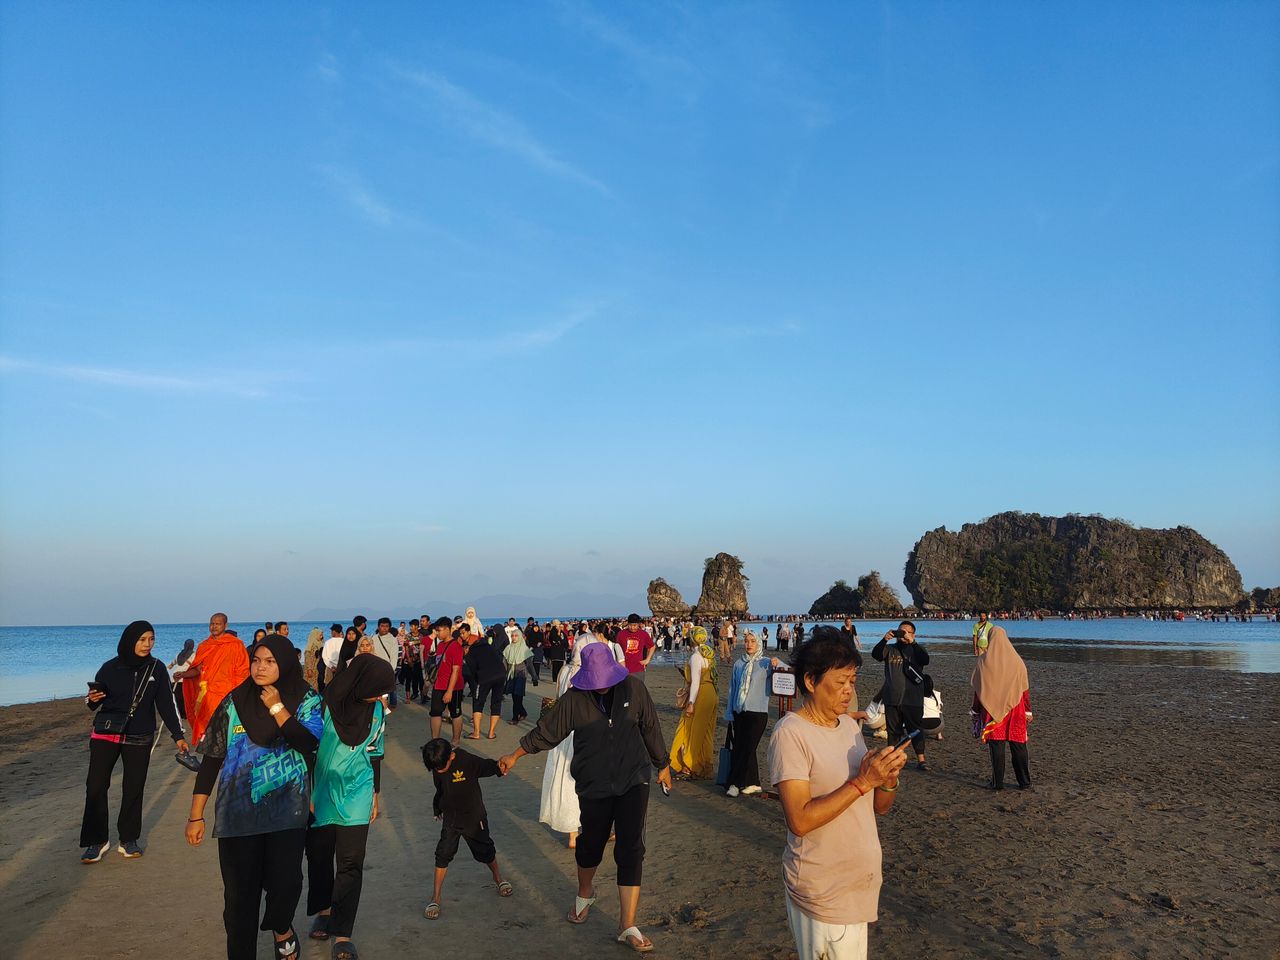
{"x":126,"y":693}
{"x":344,"y":797}
{"x":259,"y":747}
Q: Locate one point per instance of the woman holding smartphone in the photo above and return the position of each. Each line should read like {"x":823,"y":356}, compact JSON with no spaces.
{"x":126,"y":693}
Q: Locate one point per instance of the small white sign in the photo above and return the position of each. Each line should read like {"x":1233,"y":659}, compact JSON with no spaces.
{"x":784,"y":684}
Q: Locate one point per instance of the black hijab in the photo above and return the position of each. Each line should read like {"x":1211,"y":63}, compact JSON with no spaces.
{"x":366,"y":676}
{"x":254,"y":715}
{"x":129,"y":639}
{"x":347,"y":651}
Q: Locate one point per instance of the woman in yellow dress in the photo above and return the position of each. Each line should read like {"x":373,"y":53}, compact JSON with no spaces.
{"x":692,"y":750}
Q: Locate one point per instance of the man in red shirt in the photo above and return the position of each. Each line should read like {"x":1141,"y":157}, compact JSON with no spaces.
{"x":637,"y":646}
{"x":447,"y":692}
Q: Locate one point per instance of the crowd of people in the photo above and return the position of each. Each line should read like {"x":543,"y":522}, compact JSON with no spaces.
{"x":288,"y":743}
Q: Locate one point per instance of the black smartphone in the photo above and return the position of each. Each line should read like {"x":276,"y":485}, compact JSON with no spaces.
{"x":95,"y":685}
{"x":906,"y":738}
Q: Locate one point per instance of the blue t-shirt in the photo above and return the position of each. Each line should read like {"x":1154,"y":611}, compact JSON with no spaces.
{"x":260,"y":789}
{"x":343,"y":791}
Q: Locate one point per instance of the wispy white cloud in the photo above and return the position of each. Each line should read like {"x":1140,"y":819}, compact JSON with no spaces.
{"x":511,"y":342}
{"x":496,"y":127}
{"x":126,"y":379}
{"x":354,"y":190}
{"x":327,"y":69}
{"x":657,"y":66}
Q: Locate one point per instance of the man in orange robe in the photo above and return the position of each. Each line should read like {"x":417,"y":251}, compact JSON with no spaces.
{"x":221,"y":664}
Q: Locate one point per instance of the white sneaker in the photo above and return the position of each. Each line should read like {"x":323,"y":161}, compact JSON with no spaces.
{"x":732,"y":791}
{"x":751,"y":791}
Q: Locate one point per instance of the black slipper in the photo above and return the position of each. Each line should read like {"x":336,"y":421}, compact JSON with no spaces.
{"x":288,"y":947}
{"x":320,"y":927}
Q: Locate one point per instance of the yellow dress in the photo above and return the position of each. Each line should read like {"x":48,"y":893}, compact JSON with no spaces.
{"x":693,"y":749}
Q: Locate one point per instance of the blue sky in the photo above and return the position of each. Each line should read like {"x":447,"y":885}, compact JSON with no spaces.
{"x":362,"y":305}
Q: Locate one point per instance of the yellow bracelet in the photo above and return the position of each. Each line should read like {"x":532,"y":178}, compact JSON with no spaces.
{"x":888,"y":789}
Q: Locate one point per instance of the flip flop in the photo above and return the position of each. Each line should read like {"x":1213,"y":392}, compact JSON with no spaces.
{"x":625,"y":936}
{"x":288,"y":947}
{"x":346,"y":950}
{"x":504,"y":889}
{"x":581,"y":906}
{"x":433,"y":911}
{"x":320,"y":927}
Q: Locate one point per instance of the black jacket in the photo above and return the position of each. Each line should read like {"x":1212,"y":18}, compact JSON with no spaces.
{"x":121,"y":682}
{"x":904,"y":665}
{"x":611,"y":754}
{"x":483,"y":664}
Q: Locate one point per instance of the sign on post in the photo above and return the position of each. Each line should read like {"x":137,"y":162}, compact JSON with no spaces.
{"x":784,"y":688}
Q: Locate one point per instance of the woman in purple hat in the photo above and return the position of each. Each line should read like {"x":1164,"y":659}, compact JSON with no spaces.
{"x":616,"y":739}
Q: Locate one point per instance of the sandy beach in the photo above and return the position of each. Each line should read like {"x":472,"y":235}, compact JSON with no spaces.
{"x":1152,"y":832}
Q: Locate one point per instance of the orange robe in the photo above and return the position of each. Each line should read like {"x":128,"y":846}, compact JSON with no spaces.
{"x":224,"y":665}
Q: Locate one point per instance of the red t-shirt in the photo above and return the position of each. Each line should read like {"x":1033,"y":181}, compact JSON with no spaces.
{"x":635,"y":644}
{"x":452,"y":653}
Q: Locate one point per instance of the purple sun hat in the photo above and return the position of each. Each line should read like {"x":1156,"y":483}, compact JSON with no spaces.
{"x":599,"y":670}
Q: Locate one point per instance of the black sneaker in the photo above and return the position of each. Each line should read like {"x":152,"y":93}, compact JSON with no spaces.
{"x":94,"y":853}
{"x":130,"y":850}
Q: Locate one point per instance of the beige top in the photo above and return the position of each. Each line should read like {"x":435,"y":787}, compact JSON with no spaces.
{"x":832,"y":873}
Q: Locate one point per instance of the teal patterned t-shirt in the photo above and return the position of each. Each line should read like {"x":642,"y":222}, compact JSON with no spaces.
{"x":260,"y":789}
{"x":343,"y":792}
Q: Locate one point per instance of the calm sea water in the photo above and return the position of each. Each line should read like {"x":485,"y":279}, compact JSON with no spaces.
{"x":46,"y":662}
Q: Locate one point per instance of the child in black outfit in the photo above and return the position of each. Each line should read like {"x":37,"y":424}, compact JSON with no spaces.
{"x":460,"y":805}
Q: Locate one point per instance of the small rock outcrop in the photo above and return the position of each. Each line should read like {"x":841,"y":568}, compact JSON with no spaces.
{"x":872,"y":597}
{"x":1024,"y":561}
{"x":665,"y":600}
{"x":724,"y":588}
{"x":840,"y":601}
{"x":1264,"y":598}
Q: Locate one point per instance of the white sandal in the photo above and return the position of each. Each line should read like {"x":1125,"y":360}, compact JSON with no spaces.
{"x":580,"y":907}
{"x":625,"y":936}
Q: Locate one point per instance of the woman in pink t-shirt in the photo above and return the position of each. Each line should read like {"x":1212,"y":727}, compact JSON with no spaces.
{"x":831,"y":789}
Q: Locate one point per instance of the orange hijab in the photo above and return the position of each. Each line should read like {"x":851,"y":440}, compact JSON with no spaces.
{"x":224,"y":665}
{"x":1000,"y":678}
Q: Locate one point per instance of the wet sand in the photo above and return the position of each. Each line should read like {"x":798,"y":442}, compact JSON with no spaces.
{"x":1151,"y":832}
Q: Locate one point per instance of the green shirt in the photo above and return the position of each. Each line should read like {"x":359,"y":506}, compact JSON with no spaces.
{"x":343,"y":789}
{"x":980,"y":632}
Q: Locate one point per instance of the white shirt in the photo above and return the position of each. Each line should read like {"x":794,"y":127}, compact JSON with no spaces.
{"x":329,"y":652}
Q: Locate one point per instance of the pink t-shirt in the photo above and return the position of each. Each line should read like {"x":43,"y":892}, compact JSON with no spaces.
{"x":832,"y":873}
{"x":635,"y":644}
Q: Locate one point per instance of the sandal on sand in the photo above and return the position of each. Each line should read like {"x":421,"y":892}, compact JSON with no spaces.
{"x":345,"y":950}
{"x":433,"y":911}
{"x":288,"y":947}
{"x":320,"y":927}
{"x":504,"y":889}
{"x":581,"y":906}
{"x":645,"y":944}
